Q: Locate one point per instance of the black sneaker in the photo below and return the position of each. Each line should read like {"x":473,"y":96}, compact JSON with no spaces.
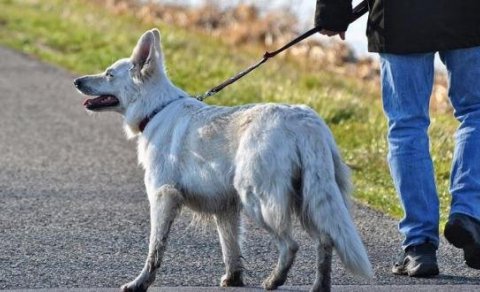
{"x":464,"y":232}
{"x":417,"y":261}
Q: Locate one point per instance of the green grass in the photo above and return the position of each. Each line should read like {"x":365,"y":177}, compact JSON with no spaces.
{"x":86,"y":38}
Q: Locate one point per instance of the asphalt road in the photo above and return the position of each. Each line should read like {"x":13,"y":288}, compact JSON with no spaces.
{"x":73,"y":211}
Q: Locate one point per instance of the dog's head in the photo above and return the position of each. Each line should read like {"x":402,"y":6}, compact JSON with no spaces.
{"x":127,"y":81}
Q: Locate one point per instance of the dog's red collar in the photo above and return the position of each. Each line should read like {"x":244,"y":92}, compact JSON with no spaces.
{"x":144,"y":122}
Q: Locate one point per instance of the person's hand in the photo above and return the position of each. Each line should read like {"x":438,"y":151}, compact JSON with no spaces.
{"x":330,"y":33}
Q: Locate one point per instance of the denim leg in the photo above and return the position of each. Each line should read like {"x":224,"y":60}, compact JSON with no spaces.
{"x":407,"y":82}
{"x":463,"y":67}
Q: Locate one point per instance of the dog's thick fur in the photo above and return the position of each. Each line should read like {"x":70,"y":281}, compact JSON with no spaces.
{"x":273,"y":161}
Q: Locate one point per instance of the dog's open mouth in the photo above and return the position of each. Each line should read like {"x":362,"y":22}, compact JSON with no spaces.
{"x":101,"y":102}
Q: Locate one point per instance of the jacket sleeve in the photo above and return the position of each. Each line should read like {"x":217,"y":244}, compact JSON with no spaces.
{"x":333,"y":15}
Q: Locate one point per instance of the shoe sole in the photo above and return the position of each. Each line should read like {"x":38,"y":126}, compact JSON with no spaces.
{"x":460,"y":237}
{"x":419,"y":271}
{"x":423,"y":271}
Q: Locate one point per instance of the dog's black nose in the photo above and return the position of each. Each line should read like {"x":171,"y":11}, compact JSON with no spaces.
{"x":77,"y":82}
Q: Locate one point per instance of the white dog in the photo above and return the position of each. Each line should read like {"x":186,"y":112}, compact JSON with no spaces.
{"x":273,"y":161}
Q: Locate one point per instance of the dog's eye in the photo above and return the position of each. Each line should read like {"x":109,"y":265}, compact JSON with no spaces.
{"x":109,"y":74}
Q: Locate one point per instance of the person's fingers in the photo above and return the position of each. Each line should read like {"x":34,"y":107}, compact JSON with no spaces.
{"x":327,"y":32}
{"x":332,"y":33}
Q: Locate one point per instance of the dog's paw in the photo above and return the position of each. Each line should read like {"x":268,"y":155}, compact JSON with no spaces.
{"x":232,"y":280}
{"x":133,"y":287}
{"x":273,"y":282}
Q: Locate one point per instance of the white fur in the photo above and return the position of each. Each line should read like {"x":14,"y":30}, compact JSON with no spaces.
{"x":273,"y":161}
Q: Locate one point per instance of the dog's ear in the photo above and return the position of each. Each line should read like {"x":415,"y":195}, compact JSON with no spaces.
{"x":146,"y":56}
{"x":156,"y":34}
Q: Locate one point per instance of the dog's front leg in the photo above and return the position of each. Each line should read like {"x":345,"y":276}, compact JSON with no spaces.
{"x":228,"y":226}
{"x":164,"y":206}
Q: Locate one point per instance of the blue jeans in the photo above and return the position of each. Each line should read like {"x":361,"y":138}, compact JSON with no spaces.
{"x":407,"y":82}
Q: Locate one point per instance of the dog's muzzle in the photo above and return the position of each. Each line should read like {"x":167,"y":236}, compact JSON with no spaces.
{"x":99,"y":102}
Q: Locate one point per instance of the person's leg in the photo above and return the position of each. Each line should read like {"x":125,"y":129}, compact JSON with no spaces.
{"x":463,"y":227}
{"x":407,"y":82}
{"x":464,"y":91}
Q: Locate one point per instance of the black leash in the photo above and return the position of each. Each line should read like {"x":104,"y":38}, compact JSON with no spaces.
{"x":357,"y":12}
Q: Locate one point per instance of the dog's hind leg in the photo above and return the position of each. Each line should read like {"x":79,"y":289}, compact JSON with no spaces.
{"x":287,"y":248}
{"x":277,"y":221}
{"x":273,"y":213}
{"x":164,"y":207}
{"x":324,"y":267}
{"x":228,"y":227}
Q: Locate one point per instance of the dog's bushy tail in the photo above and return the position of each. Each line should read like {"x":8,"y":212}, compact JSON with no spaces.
{"x":326,"y":189}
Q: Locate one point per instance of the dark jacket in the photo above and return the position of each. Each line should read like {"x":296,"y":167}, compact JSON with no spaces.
{"x":409,"y":26}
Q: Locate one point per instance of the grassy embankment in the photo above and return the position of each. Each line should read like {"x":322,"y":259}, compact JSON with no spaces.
{"x":85,"y":38}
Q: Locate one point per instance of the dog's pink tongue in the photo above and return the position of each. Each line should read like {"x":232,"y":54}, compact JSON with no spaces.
{"x":101,"y":102}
